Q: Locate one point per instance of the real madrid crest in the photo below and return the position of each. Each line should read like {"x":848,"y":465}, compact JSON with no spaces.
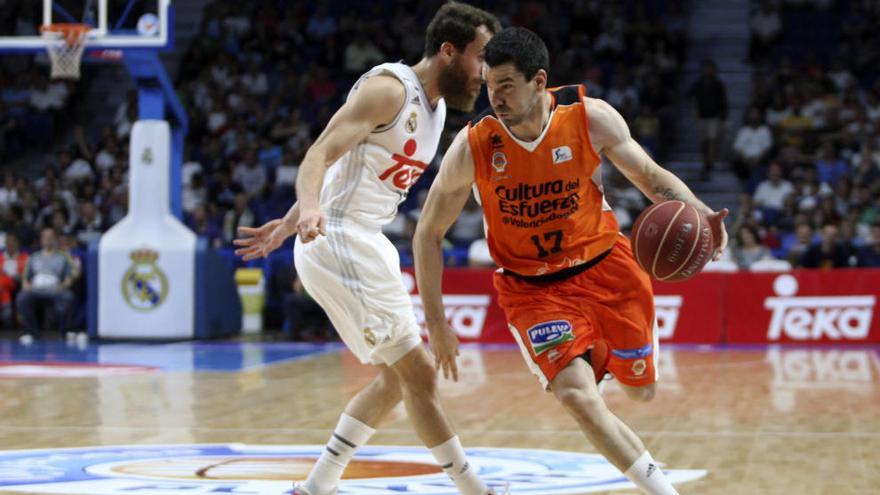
{"x":412,"y":123}
{"x":499,"y":161}
{"x":369,"y":337}
{"x":144,"y":285}
{"x":147,"y":156}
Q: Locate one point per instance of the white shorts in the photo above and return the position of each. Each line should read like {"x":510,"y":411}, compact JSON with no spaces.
{"x":354,"y":274}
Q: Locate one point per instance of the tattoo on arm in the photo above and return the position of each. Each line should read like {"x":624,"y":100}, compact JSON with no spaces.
{"x":667,"y":193}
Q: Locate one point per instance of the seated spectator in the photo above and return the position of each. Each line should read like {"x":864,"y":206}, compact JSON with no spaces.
{"x":830,"y":167}
{"x":12,"y":264}
{"x":829,"y":252}
{"x":869,"y":256}
{"x":746,"y":250}
{"x":751,"y":146}
{"x":771,"y":193}
{"x":239,"y":216}
{"x":46,"y":283}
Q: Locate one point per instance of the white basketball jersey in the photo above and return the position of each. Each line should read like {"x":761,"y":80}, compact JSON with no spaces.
{"x":369,"y":182}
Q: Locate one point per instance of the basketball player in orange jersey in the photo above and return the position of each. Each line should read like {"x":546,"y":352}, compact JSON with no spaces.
{"x":349,"y":185}
{"x":568,"y":284}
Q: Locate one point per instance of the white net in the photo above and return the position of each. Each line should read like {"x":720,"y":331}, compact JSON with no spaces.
{"x":65,"y":45}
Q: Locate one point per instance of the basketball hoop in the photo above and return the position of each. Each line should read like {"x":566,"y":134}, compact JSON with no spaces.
{"x":65,"y":44}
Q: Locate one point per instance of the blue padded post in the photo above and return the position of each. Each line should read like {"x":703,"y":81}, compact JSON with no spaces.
{"x":158,"y":100}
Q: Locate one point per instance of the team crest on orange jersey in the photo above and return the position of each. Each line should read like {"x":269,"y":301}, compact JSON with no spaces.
{"x":499,"y":161}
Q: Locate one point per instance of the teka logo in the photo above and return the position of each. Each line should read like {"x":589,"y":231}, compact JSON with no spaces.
{"x":815,"y":317}
{"x":466,"y":313}
{"x":666,"y":310}
{"x":269,"y":470}
{"x":406,"y":170}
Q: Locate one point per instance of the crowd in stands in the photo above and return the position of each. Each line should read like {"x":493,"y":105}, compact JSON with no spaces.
{"x":808,"y":155}
{"x":261,"y":80}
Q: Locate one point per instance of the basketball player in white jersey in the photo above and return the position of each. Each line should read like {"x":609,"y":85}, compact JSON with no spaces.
{"x":349,"y":185}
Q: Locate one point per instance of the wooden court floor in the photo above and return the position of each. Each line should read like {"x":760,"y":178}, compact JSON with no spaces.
{"x":760,"y":420}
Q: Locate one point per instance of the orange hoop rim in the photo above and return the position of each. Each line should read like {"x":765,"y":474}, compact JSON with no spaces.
{"x":74,"y":34}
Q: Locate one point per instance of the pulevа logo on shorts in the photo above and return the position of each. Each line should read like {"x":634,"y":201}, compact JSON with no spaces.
{"x":269,"y":469}
{"x":815,"y":317}
{"x":547,"y":335}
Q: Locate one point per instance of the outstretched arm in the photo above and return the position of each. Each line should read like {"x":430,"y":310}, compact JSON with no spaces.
{"x":447,"y":197}
{"x":376,"y":102}
{"x":610,"y":135}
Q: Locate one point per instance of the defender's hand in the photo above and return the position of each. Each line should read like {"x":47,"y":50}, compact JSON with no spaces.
{"x":262,"y":240}
{"x":444,"y":345}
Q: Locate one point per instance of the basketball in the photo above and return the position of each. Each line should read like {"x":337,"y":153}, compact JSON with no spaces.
{"x":672,"y":241}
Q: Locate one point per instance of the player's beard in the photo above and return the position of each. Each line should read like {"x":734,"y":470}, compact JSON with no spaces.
{"x":456,"y":87}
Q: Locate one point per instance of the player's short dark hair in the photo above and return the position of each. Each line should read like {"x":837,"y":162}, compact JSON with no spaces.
{"x":457,"y":23}
{"x":524,"y":48}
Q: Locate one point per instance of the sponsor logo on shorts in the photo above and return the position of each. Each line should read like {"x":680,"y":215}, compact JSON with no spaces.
{"x":639,"y":367}
{"x":547,"y":335}
{"x":815,"y":318}
{"x":269,"y":469}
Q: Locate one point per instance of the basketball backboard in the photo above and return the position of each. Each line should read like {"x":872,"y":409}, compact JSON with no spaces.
{"x":116,"y":24}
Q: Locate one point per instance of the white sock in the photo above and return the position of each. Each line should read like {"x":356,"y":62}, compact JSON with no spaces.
{"x":451,"y":458}
{"x":648,"y":476}
{"x":345,"y":440}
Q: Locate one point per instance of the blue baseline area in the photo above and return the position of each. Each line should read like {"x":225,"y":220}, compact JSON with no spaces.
{"x":177,"y":356}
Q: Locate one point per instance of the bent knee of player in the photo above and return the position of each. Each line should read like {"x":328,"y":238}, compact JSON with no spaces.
{"x":416,"y":372}
{"x":641,"y":394}
{"x":579,"y":401}
{"x":388,"y":383}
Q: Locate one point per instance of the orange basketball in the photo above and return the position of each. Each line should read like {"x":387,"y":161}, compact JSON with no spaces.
{"x":672,"y":241}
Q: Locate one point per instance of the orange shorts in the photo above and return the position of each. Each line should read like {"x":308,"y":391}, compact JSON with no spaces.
{"x":556,"y":322}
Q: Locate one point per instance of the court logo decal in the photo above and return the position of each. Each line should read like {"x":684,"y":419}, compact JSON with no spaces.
{"x":144,"y":285}
{"x":545,"y":336}
{"x":268,"y":470}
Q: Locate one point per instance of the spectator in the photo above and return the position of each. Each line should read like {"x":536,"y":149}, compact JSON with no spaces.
{"x":746,"y":250}
{"x":239,"y":216}
{"x":796,"y":244}
{"x":751,"y":145}
{"x":771,"y":193}
{"x":869,"y":256}
{"x":766,"y":29}
{"x":830,"y":167}
{"x":12,"y":264}
{"x":250,"y":173}
{"x":829,"y":252}
{"x":710,"y":96}
{"x":46,"y":283}
{"x":361,"y":54}
{"x":90,"y":224}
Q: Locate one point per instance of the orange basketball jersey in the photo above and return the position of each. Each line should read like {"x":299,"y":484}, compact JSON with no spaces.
{"x":542,"y":200}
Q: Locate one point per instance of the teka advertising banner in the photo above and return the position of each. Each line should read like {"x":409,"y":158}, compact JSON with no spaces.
{"x":471,"y":305}
{"x":690,"y":311}
{"x":803,"y":306}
